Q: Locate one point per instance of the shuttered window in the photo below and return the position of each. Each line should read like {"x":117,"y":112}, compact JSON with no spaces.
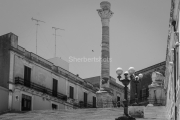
{"x":85,"y":99}
{"x":71,"y":92}
{"x":55,"y":87}
{"x":27,"y":76}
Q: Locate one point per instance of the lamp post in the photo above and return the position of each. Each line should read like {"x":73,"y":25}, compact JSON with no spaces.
{"x":137,"y":81}
{"x":125,"y":82}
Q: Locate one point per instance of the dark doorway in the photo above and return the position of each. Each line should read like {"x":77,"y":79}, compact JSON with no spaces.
{"x":94,"y":102}
{"x":85,"y":99}
{"x":27,"y":76}
{"x":26,"y":103}
{"x":55,"y":87}
{"x":118,"y":101}
{"x":54,"y":107}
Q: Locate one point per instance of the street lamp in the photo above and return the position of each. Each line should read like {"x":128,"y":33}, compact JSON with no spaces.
{"x":125,"y":82}
{"x":136,"y":81}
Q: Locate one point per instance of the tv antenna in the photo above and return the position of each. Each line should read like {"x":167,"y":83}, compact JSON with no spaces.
{"x":55,"y":37}
{"x":36,"y":29}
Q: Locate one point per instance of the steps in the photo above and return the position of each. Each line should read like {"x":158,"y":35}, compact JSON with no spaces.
{"x":156,"y":112}
{"x":74,"y":114}
{"x":151,"y":113}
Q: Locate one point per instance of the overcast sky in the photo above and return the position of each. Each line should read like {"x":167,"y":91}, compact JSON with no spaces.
{"x":138,"y":31}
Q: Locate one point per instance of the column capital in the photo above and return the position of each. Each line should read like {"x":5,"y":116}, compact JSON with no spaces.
{"x":105,"y":14}
{"x":105,"y":11}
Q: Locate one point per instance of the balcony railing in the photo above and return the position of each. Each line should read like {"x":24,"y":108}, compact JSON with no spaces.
{"x":40,"y":88}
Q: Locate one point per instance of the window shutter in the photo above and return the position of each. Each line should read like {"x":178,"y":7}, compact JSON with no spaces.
{"x":71,"y":92}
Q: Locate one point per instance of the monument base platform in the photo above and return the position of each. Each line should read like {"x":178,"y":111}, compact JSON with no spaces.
{"x":136,"y":111}
{"x":156,"y":95}
{"x":104,"y":99}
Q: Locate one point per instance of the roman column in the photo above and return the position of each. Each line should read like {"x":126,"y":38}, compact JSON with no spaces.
{"x":105,"y":14}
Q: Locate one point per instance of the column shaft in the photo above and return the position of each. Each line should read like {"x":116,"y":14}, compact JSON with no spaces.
{"x":105,"y":64}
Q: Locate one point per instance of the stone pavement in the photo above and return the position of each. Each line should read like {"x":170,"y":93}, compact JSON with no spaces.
{"x":76,"y":114}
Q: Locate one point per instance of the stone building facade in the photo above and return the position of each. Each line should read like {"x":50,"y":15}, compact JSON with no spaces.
{"x":30,"y":82}
{"x":172,"y":73}
{"x":157,"y":95}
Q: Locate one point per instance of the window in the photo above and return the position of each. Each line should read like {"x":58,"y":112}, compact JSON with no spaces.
{"x":71,"y":92}
{"x":55,"y":86}
{"x":54,"y":106}
{"x":85,"y":99}
{"x":27,"y":76}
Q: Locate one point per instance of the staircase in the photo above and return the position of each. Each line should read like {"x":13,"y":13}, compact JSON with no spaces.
{"x":155,"y":113}
{"x":73,"y":114}
{"x":151,"y":113}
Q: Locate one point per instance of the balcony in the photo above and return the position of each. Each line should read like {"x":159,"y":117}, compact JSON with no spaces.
{"x":40,"y":88}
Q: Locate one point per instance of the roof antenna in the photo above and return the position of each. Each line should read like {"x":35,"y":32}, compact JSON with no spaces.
{"x":55,"y":37}
{"x":36,"y":29}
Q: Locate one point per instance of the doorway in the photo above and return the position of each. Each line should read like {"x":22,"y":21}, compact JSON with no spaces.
{"x":118,"y":101}
{"x":94,"y":102}
{"x":26,"y":103}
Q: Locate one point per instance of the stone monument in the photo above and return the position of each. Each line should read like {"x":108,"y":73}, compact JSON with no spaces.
{"x":156,"y":90}
{"x":104,"y":95}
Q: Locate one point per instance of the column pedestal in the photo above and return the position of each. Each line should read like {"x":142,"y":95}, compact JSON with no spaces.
{"x":104,"y":99}
{"x":156,"y":95}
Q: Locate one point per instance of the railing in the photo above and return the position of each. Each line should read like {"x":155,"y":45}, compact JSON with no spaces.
{"x":146,"y":101}
{"x":141,"y":99}
{"x":82,"y":104}
{"x":157,"y":102}
{"x":114,"y":104}
{"x":40,"y":88}
{"x":86,"y":105}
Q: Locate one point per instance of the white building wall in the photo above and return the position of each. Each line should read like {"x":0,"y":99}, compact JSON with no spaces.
{"x":43,"y":76}
{"x":39,"y":74}
{"x":38,"y":102}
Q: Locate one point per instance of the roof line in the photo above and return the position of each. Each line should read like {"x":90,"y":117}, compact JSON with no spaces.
{"x":151,"y":67}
